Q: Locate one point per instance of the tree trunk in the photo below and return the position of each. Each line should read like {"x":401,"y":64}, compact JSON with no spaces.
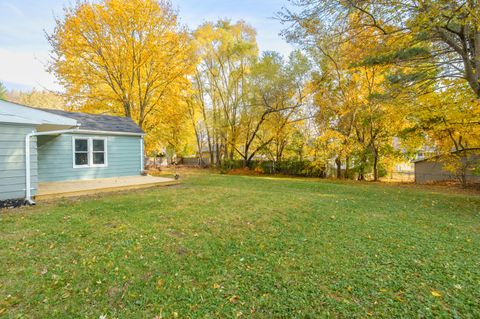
{"x":462,"y":170}
{"x":374,"y":152}
{"x":347,"y":168}
{"x":375,"y":167}
{"x":212,"y":159}
{"x":248,"y":163}
{"x":246,"y":159}
{"x":338,"y":162}
{"x":363,"y":164}
{"x":199,"y":147}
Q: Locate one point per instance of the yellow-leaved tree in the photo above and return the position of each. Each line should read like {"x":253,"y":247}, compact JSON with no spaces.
{"x":37,"y":98}
{"x":125,"y":57}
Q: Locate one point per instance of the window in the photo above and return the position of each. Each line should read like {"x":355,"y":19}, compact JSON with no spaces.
{"x":89,"y":152}
{"x":81,"y":152}
{"x":98,"y":152}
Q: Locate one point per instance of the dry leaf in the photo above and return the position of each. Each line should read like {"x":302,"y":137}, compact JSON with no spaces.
{"x":160,"y":283}
{"x":234,"y":299}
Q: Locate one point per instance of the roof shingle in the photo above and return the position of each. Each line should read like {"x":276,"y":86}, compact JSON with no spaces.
{"x":97,"y":122}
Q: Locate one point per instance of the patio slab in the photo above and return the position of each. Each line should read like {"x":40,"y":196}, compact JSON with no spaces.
{"x":53,"y":190}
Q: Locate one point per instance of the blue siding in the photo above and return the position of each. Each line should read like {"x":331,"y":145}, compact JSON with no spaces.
{"x":55,"y":158}
{"x":12,"y":160}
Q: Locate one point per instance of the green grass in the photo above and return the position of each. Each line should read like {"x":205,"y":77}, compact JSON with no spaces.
{"x":234,"y":246}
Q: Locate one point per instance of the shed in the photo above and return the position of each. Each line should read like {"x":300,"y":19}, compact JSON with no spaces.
{"x":432,"y":169}
{"x":63,"y":146}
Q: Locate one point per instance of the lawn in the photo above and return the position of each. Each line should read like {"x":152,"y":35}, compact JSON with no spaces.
{"x":222,"y":246}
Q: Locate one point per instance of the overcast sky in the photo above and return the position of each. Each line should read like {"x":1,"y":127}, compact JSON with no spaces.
{"x":24,"y":50}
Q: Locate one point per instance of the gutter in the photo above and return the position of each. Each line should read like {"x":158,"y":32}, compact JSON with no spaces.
{"x":28,"y":191}
{"x":93,"y":132}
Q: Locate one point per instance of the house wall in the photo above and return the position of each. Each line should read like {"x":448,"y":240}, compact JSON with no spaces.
{"x":55,"y":158}
{"x":429,"y":172}
{"x":12,"y":160}
{"x":433,"y":171}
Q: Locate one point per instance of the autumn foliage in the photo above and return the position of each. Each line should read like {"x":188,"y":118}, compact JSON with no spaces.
{"x":374,"y":84}
{"x":128,"y":58}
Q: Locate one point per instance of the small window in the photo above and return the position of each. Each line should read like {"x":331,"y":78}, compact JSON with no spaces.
{"x":98,"y":152}
{"x":81,"y":152}
{"x":89,"y":152}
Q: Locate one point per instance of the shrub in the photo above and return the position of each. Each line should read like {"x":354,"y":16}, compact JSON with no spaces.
{"x":293,"y":168}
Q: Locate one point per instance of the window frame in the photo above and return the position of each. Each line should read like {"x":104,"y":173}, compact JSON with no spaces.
{"x":75,"y":152}
{"x":90,"y":151}
{"x":104,"y":139}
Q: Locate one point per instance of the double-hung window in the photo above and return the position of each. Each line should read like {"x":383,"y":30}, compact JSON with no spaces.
{"x":89,"y":152}
{"x":98,"y":152}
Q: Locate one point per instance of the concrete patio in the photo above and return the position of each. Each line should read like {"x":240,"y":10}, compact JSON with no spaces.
{"x":102,"y":185}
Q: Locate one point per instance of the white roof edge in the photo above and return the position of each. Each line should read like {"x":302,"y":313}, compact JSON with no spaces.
{"x":93,"y":132}
{"x":13,"y":119}
{"x":21,"y":112}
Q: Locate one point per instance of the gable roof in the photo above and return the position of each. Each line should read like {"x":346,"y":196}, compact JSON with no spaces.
{"x":95,"y":122}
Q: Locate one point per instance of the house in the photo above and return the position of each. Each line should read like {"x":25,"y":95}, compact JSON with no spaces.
{"x":433,"y":169}
{"x":40,"y":145}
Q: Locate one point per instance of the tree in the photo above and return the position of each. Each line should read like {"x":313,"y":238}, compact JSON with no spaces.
{"x":289,"y":141}
{"x":356,"y":114}
{"x":38,"y":98}
{"x":440,"y":119}
{"x":241,"y":102}
{"x":335,"y":97}
{"x":277,"y":93}
{"x":419,"y":52}
{"x":3,"y":91}
{"x":225,"y":52}
{"x":128,"y":58}
{"x":439,"y":38}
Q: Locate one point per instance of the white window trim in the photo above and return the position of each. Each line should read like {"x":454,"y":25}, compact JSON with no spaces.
{"x":90,"y":151}
{"x":105,"y":148}
{"x":74,"y":138}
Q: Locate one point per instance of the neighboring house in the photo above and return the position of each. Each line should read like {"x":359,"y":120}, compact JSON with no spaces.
{"x":432,"y":169}
{"x":40,"y":145}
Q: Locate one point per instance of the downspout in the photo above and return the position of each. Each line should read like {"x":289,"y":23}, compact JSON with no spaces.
{"x":28,"y":182}
{"x":142,"y":155}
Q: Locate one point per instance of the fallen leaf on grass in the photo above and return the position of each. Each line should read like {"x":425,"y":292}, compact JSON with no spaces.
{"x":436,"y":293}
{"x":160,"y":283}
{"x":234,"y":299}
